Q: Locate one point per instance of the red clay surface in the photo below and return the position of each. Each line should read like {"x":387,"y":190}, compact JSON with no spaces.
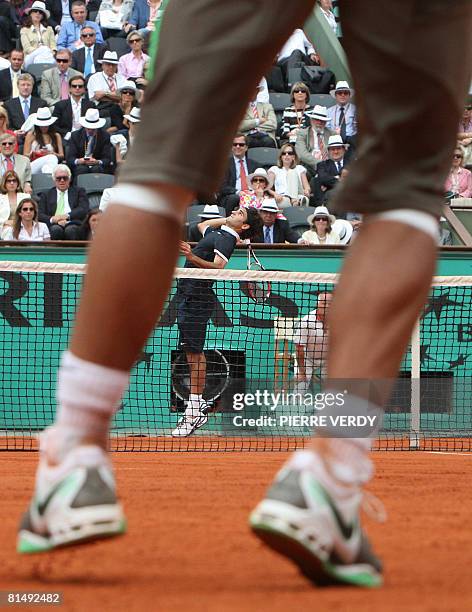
{"x":189,"y":548}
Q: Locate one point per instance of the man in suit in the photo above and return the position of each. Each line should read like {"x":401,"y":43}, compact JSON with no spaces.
{"x":9,"y":160}
{"x":69,"y":34}
{"x":21,"y":107}
{"x":343,"y":115}
{"x":9,"y":76}
{"x":85,"y":60}
{"x":90,"y":149}
{"x":55,"y":81}
{"x":274,"y":230}
{"x":69,"y":112}
{"x":329,"y":171}
{"x":312,"y":142}
{"x":236,"y":177}
{"x":259,"y":123}
{"x":63,"y":208}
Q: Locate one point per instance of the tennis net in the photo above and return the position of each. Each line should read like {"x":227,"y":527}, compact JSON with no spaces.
{"x":250,"y":347}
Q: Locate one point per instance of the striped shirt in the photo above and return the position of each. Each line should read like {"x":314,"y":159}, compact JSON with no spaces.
{"x":294,"y":119}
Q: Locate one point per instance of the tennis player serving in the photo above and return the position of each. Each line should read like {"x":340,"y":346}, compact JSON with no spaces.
{"x":311,"y":513}
{"x":196,"y":302}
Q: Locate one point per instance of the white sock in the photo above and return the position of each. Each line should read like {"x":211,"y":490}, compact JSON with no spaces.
{"x":194,"y":403}
{"x":88,"y":396}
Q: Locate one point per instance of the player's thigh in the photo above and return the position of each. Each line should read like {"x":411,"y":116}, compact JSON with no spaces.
{"x":411,"y":67}
{"x":210,"y":58}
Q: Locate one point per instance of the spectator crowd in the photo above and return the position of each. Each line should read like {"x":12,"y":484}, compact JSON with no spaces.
{"x":72,"y":79}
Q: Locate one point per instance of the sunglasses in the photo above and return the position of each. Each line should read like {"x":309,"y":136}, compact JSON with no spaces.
{"x":36,"y":11}
{"x":130,"y":92}
{"x":27,"y":209}
{"x":91,"y":35}
{"x":320,"y":219}
{"x":288,"y":153}
{"x":239,"y":144}
{"x":62,"y":61}
{"x":259,"y":180}
{"x":8,"y":144}
{"x":457,"y":156}
{"x":77,"y":85}
{"x":62,"y":178}
{"x":12,"y":181}
{"x":133,"y":40}
{"x":300,"y":91}
{"x":343,"y":92}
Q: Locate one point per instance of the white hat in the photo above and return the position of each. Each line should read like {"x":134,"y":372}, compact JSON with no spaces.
{"x":318,"y":112}
{"x":341,"y":86}
{"x":320,"y":211}
{"x":260,"y":173}
{"x":38,"y":6}
{"x":92,"y":120}
{"x":336,"y":141}
{"x":128,"y":85}
{"x":134,"y":115}
{"x":43,"y":117}
{"x":344,"y":229}
{"x":269,"y":205}
{"x":110,"y":57}
{"x":210,"y":211}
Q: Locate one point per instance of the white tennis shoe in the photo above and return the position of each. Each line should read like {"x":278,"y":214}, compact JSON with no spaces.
{"x":192,"y":420}
{"x":74,"y":502}
{"x":321,"y":534}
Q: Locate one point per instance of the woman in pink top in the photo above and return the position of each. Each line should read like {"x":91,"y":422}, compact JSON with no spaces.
{"x":131,"y":65}
{"x":459,"y":179}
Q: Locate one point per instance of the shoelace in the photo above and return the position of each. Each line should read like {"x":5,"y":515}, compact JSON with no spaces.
{"x":373,"y":507}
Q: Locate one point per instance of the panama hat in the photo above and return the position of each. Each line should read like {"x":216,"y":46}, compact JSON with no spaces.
{"x":336,"y":141}
{"x":110,"y":57}
{"x":43,"y":117}
{"x":92,"y":120}
{"x":269,"y":205}
{"x":344,"y":229}
{"x":261,"y":173}
{"x":321,"y":211}
{"x":134,"y":115}
{"x":38,"y":6}
{"x":210,"y":211}
{"x":341,"y":86}
{"x":318,"y":112}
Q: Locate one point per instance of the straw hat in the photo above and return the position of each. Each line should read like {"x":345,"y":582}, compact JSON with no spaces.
{"x":43,"y":117}
{"x":321,"y":211}
{"x":92,"y":120}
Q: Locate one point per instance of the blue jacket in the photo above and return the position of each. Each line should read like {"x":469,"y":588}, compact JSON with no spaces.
{"x":140,"y":14}
{"x":70,"y":32}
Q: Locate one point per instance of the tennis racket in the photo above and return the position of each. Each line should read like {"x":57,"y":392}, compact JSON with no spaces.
{"x":259,"y":291}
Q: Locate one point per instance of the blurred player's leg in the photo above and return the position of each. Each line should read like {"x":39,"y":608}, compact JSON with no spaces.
{"x":311,"y":513}
{"x":211,"y":56}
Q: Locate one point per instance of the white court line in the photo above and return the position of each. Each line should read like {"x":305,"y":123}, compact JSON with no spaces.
{"x":447,"y":453}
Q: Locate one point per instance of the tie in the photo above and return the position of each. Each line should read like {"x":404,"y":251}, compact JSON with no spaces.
{"x":255,"y":112}
{"x":111,"y":84}
{"x":64,"y":87}
{"x":88,"y":62}
{"x":242,"y":175}
{"x":267,"y":239}
{"x":338,"y":165}
{"x":10,"y":165}
{"x":322,"y":148}
{"x":26,"y":108}
{"x":90,"y":145}
{"x":14,"y":86}
{"x":342,"y":124}
{"x":61,"y":205}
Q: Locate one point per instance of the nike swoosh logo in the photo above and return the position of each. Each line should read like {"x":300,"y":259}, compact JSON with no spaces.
{"x":63,"y":485}
{"x":346,"y":529}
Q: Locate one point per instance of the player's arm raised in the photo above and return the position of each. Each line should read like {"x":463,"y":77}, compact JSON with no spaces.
{"x":211,"y":223}
{"x":217,"y":264}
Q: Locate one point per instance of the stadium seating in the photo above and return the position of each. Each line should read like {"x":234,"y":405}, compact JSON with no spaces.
{"x":95,"y":182}
{"x":279,"y":101}
{"x":322,"y":99}
{"x":264,"y":157}
{"x":41,"y":183}
{"x":296,"y":216}
{"x":94,"y":200}
{"x":36,"y":70}
{"x":115,"y":43}
{"x":194,"y":211}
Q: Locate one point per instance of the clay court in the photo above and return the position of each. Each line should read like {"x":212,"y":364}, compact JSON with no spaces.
{"x":189,"y":548}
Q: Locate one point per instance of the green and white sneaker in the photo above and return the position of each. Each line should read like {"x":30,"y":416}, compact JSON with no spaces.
{"x":301,"y":520}
{"x":74,"y":502}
